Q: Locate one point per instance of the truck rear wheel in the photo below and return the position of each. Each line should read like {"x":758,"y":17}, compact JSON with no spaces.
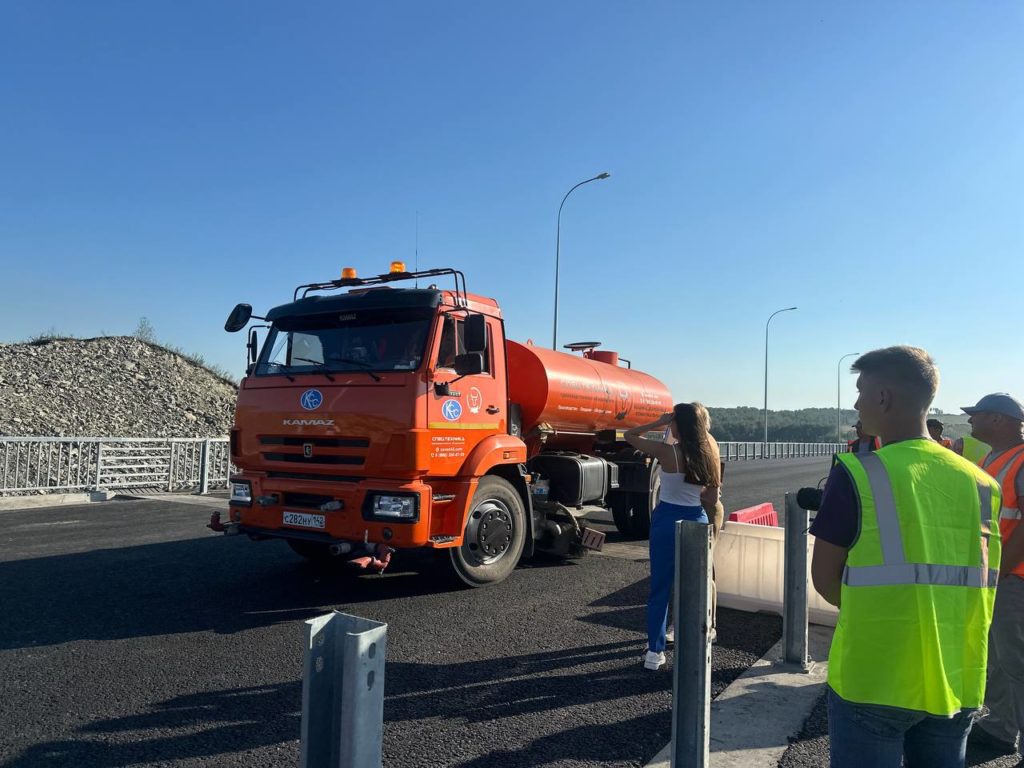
{"x":494,"y":536}
{"x":643,"y":506}
{"x":622,"y":512}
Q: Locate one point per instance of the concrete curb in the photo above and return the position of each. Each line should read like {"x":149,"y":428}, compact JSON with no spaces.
{"x":14,"y":503}
{"x":9,"y":503}
{"x":215,"y":502}
{"x":755,"y":718}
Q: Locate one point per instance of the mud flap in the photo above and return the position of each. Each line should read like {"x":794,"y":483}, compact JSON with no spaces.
{"x":592,"y":539}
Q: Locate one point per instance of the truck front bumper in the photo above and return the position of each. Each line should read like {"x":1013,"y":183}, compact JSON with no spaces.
{"x":378,"y":510}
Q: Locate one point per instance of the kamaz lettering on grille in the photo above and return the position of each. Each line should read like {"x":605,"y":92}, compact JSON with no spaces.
{"x":308,"y":422}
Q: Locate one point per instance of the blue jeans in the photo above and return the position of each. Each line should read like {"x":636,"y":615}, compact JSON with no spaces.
{"x":869,"y":736}
{"x":663,"y":565}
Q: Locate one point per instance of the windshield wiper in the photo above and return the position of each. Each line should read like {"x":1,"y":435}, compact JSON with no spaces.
{"x":322,"y":369}
{"x":350,"y":361}
{"x":282,"y":373}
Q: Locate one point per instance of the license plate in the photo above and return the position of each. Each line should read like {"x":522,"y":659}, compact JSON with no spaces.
{"x":303,"y":520}
{"x":592,"y":539}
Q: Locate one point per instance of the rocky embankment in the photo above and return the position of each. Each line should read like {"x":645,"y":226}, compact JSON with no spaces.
{"x":109,"y":387}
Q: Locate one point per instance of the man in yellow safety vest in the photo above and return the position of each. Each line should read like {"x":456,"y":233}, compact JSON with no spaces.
{"x":905,"y":548}
{"x":971,"y":448}
{"x":998,"y":419}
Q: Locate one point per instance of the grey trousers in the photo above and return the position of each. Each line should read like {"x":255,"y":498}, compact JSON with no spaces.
{"x":1004,"y":692}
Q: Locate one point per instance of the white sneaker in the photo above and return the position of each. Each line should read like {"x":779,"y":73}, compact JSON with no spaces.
{"x":654,"y":660}
{"x":670,"y":635}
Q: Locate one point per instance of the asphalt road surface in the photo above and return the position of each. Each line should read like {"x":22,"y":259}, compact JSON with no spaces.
{"x":133,"y":636}
{"x":747,"y":483}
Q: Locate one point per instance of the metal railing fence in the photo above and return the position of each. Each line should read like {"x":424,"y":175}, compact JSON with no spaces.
{"x":70,"y":464}
{"x":77,"y":464}
{"x":734,"y":451}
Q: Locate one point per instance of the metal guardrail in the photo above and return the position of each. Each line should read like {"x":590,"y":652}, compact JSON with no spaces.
{"x":70,"y":464}
{"x":343,"y":692}
{"x":734,"y":451}
{"x":691,"y":672}
{"x":77,"y":464}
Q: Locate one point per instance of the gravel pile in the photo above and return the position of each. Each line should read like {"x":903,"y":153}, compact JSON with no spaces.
{"x":116,"y":386}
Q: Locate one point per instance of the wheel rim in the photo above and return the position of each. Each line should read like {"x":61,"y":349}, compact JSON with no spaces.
{"x":489,"y":533}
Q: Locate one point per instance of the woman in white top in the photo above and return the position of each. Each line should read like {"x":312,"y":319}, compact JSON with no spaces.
{"x":690,"y":484}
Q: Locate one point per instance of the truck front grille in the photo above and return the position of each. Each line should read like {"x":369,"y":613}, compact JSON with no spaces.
{"x":315,"y":477}
{"x":313,"y":451}
{"x":319,"y":442}
{"x":305,"y":500}
{"x":298,"y":458}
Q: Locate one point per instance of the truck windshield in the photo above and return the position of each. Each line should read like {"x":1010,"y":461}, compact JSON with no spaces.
{"x":367,"y":340}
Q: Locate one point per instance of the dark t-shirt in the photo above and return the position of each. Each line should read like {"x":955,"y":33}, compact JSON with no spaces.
{"x":838,"y":519}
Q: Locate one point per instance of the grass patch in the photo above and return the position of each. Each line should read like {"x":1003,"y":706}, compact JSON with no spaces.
{"x":50,"y":335}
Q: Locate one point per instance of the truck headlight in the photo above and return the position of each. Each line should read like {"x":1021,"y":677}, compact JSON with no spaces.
{"x":398,"y":507}
{"x":241,"y":492}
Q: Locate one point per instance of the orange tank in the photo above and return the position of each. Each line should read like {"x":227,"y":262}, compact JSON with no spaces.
{"x":570,"y":393}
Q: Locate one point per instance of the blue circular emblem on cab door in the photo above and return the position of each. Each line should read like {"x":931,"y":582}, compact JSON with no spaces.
{"x":451,"y":410}
{"x":311,"y":399}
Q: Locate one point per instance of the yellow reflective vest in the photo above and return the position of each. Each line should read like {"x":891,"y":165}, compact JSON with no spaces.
{"x":974,"y":449}
{"x":919,"y":584}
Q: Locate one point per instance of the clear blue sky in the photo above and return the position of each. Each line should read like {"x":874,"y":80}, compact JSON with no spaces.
{"x":862,"y":161}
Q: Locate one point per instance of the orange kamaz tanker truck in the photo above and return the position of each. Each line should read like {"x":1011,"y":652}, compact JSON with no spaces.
{"x":385,"y":418}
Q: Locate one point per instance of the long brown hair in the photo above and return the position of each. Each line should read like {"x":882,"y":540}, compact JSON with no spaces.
{"x":692,"y":425}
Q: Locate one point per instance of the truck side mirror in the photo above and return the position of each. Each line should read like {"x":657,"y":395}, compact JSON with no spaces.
{"x":238,"y":318}
{"x":469,"y":363}
{"x":475,"y":334}
{"x":252,"y":346}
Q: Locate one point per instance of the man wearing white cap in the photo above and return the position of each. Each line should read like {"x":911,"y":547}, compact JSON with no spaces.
{"x":998,"y":419}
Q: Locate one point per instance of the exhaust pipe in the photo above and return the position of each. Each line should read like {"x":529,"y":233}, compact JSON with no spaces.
{"x":341,"y":548}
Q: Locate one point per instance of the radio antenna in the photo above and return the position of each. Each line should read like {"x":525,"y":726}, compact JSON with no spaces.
{"x":416,"y":253}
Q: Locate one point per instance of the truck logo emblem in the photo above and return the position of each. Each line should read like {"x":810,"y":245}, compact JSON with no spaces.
{"x":308,"y":422}
{"x":623,"y":404}
{"x":311,"y":399}
{"x":474,"y":398}
{"x":307,"y":450}
{"x":451,"y":410}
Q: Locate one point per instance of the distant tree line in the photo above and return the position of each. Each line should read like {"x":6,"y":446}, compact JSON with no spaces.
{"x":807,"y":425}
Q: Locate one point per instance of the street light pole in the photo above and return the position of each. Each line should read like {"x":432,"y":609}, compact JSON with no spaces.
{"x":773,"y":314}
{"x":558,"y":239}
{"x":839,"y":399}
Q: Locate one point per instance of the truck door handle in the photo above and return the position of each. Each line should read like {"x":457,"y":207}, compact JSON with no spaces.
{"x":493,"y":409}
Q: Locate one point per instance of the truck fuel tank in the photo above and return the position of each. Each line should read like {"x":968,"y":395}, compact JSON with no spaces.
{"x":572,"y":393}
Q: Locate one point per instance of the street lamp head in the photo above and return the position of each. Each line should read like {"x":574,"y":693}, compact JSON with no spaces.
{"x":603,"y":175}
{"x":788,"y":309}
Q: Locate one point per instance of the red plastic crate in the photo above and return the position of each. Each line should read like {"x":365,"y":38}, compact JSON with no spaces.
{"x":762,"y":514}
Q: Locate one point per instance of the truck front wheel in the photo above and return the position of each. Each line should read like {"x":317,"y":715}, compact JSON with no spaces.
{"x":494,"y":535}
